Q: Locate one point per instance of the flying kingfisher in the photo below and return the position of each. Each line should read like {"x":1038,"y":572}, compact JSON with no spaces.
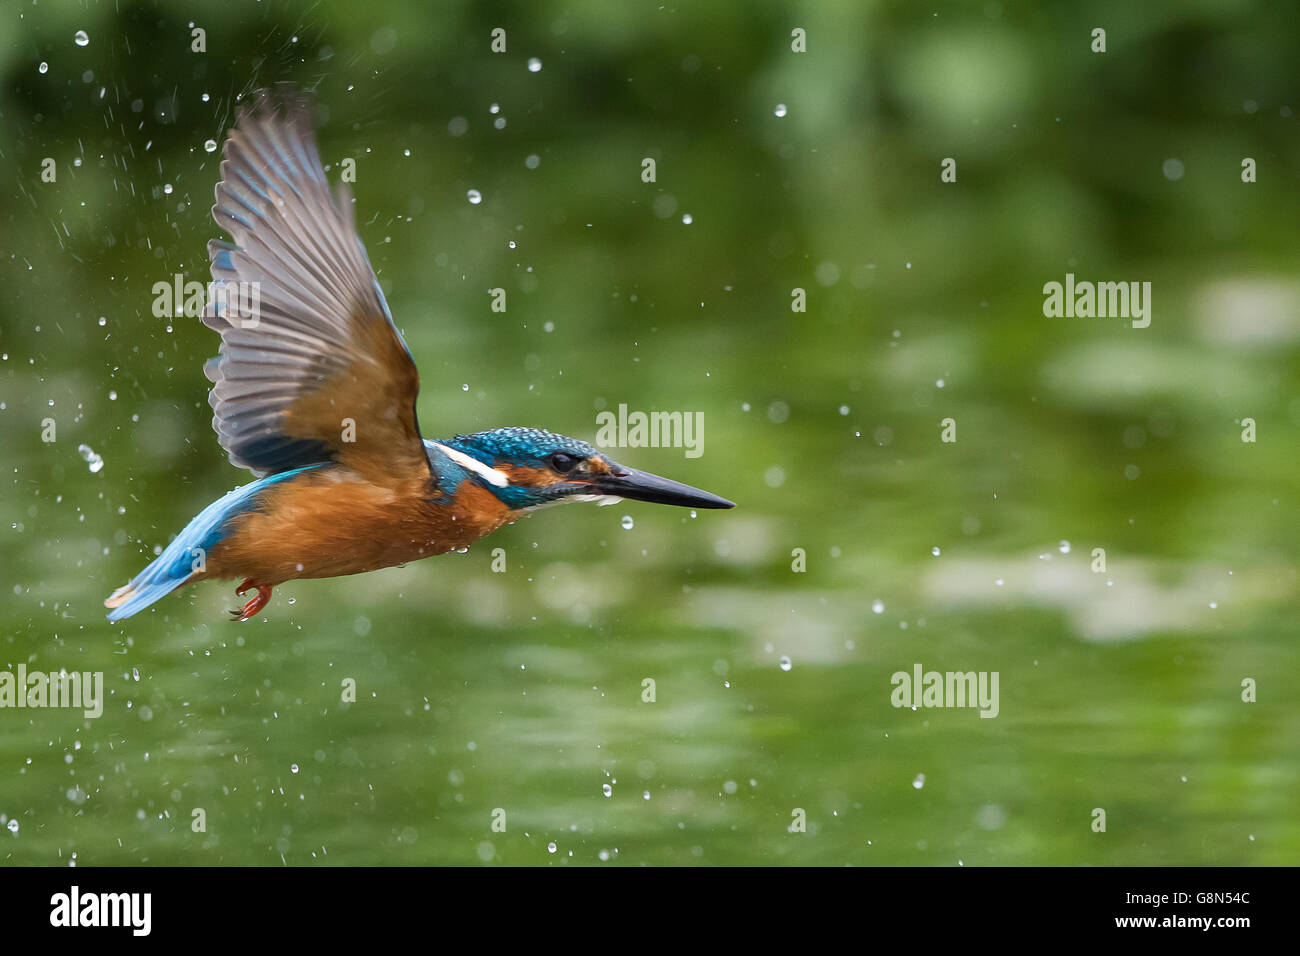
{"x":314,"y":392}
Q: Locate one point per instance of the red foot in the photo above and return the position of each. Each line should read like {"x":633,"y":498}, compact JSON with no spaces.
{"x":255,"y":605}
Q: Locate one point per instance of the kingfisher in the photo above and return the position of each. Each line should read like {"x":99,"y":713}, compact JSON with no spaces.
{"x":314,"y":392}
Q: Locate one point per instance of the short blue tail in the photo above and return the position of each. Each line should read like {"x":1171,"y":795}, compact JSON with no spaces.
{"x":181,"y":559}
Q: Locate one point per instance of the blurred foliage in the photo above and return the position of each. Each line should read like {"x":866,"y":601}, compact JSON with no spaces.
{"x":522,"y":691}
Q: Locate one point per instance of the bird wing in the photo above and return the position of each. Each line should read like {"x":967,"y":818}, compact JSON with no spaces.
{"x":311,"y":367}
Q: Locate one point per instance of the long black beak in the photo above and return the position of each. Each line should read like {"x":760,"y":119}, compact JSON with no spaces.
{"x":643,"y":486}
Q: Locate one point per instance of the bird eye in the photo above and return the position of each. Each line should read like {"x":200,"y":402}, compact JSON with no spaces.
{"x":562,"y":462}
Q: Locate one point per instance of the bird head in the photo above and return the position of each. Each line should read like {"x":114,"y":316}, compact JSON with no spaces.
{"x":529,"y":468}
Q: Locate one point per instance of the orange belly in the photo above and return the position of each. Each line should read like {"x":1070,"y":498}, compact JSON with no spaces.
{"x":330,"y":522}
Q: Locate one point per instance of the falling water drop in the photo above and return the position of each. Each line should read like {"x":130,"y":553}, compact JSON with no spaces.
{"x":93,"y":460}
{"x":81,"y":38}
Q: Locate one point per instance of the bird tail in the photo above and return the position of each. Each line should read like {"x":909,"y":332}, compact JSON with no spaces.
{"x":181,"y":560}
{"x":133,"y":597}
{"x":186,"y":557}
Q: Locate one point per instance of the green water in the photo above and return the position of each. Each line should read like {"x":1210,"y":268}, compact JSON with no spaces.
{"x":522,"y":691}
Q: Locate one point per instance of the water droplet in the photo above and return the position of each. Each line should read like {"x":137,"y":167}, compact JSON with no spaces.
{"x":919,"y":782}
{"x":465,"y":387}
{"x":785,"y":663}
{"x":474,"y":196}
{"x":103,"y":320}
{"x":94,"y":461}
{"x":780,"y":109}
{"x":13,"y":827}
{"x":167,"y":189}
{"x":293,"y":768}
{"x":210,"y":146}
{"x":935,"y":551}
{"x":534,"y":65}
{"x":81,"y":38}
{"x":627,"y":522}
{"x":607,"y":790}
{"x":1064,"y":547}
{"x":687,"y":219}
{"x":551,"y":848}
{"x":878,"y":606}
{"x":43,"y":68}
{"x":532,"y":161}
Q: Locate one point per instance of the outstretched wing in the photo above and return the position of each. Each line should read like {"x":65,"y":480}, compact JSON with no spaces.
{"x":311,"y":367}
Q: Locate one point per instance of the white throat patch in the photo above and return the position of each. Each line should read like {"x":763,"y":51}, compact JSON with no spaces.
{"x":491,"y":475}
{"x":600,"y":501}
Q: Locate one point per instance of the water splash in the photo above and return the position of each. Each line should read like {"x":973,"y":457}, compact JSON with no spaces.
{"x":91,"y":458}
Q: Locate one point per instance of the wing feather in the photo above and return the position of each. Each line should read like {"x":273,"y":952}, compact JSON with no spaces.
{"x":307,"y":341}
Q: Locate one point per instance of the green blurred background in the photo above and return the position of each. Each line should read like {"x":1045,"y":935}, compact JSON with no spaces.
{"x":820,"y":170}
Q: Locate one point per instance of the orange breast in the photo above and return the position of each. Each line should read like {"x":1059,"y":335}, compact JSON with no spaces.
{"x":330,"y":522}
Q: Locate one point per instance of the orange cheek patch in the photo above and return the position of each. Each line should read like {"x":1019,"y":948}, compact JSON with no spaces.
{"x":530,"y":477}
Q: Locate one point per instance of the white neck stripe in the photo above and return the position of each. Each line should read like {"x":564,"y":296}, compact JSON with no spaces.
{"x":490,"y":475}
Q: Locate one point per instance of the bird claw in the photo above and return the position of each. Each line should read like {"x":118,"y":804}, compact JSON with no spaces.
{"x":253,"y":606}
